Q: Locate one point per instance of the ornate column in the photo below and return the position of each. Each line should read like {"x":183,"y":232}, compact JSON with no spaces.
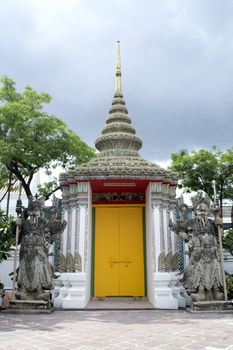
{"x":79,"y":227}
{"x":78,"y":260}
{"x":69,"y":257}
{"x":162,"y":255}
{"x":63,"y":245}
{"x":161,"y":294}
{"x":157,"y":226}
{"x":71,"y":229}
{"x":82,"y":222}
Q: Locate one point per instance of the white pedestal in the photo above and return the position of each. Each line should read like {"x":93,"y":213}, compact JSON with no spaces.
{"x":73,"y":293}
{"x":163,"y":298}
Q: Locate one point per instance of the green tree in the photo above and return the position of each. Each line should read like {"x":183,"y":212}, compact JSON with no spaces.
{"x":228,"y":241}
{"x":31,"y":139}
{"x":197,"y":169}
{"x":6,"y":236}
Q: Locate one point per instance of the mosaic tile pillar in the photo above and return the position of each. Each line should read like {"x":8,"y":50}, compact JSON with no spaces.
{"x":76,"y":246}
{"x":174,"y":240}
{"x":160,"y":292}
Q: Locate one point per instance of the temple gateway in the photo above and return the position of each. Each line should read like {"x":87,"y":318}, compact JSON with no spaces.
{"x":117,"y":242}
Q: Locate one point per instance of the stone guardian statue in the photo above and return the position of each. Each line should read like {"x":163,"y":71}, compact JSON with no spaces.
{"x":35,"y":273}
{"x":202,"y":277}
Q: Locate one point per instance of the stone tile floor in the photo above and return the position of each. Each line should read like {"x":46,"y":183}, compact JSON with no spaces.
{"x":118,"y":329}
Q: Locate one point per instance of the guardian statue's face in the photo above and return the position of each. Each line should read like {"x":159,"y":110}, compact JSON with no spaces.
{"x":202,"y":210}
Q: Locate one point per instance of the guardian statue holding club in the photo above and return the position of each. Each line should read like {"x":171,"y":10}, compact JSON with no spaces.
{"x":36,"y":234}
{"x":203,"y":277}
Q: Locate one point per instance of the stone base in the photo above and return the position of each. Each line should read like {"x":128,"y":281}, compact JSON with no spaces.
{"x":212,"y":306}
{"x":163,"y":298}
{"x":29,"y":307}
{"x":71,"y":291}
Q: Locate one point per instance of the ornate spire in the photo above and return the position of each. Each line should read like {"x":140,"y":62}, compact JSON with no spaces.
{"x":118,"y":137}
{"x":118,"y":88}
{"x":118,"y":146}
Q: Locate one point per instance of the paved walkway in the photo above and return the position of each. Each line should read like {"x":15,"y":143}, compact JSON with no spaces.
{"x":122,"y":329}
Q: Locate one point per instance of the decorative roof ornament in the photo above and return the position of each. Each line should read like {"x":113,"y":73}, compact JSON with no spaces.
{"x":118,"y":147}
{"x":118,"y":87}
{"x":118,"y":136}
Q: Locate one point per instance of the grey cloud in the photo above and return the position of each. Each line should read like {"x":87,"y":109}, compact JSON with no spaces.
{"x":177,"y":66}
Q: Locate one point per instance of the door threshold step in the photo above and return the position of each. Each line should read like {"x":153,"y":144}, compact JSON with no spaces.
{"x":116,"y":298}
{"x":116,"y":303}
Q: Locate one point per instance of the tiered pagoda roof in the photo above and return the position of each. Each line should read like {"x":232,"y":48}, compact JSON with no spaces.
{"x":118,"y":147}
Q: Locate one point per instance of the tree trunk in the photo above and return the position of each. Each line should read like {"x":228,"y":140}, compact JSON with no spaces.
{"x":27,"y":190}
{"x":232,"y":216}
{"x":221,"y":204}
{"x":8,"y":194}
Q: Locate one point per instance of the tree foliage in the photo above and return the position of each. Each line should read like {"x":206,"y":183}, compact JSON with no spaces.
{"x":197,"y":169}
{"x":31,"y":139}
{"x":6,"y":236}
{"x":228,"y":241}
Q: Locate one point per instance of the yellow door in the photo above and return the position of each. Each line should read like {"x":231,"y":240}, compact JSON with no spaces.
{"x":119,"y":261}
{"x":131,"y":249}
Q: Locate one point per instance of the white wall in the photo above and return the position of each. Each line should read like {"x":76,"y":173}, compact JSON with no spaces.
{"x":150,"y":248}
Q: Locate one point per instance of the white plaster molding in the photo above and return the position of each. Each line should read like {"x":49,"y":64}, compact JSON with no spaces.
{"x":156,"y":187}
{"x":74,"y":294}
{"x":82,"y":187}
{"x":72,"y":190}
{"x":161,"y":229}
{"x":156,"y":199}
{"x":69,"y":230}
{"x":77,"y":226}
{"x":62,"y":286}
{"x":85,"y":240}
{"x":151,"y":232}
{"x":64,"y":235}
{"x":89,"y":241}
{"x":150,"y":243}
{"x":172,"y":191}
{"x":82,"y":233}
{"x":163,"y":298}
{"x":73,"y":231}
{"x":165,"y":189}
{"x":6,"y":267}
{"x":176,"y":290}
{"x":165,"y":231}
{"x":156,"y":233}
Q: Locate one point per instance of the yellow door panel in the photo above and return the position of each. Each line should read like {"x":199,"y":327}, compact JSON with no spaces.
{"x":106,"y":274}
{"x":131,"y":250}
{"x":119,"y":261}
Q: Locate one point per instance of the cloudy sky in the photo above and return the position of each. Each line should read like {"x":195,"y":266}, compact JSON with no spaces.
{"x":177,"y":65}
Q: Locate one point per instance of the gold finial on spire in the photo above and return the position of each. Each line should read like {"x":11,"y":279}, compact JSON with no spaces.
{"x":118,"y":88}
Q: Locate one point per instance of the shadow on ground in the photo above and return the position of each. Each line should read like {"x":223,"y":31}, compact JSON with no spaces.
{"x":58,"y":319}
